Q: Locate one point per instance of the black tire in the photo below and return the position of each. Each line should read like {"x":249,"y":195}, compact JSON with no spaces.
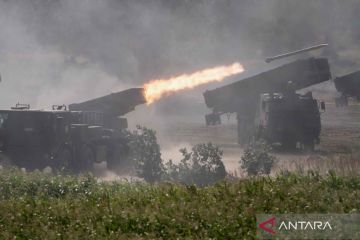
{"x":337,"y":102}
{"x":63,"y":160}
{"x":289,"y":146}
{"x":118,"y":161}
{"x":309,"y":146}
{"x":87,"y":159}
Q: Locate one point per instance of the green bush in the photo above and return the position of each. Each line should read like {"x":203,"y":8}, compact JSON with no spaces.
{"x":202,"y":166}
{"x":257,"y":159}
{"x":39,"y":206}
{"x":145,"y":154}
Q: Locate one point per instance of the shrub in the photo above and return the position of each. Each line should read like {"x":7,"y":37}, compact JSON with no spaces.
{"x":257,"y":159}
{"x":202,"y":166}
{"x":145,"y":154}
{"x":38,"y":206}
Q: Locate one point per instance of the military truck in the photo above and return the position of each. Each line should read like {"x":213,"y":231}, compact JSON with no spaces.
{"x":289,"y":120}
{"x":348,"y":86}
{"x":71,"y":139}
{"x":244,"y":96}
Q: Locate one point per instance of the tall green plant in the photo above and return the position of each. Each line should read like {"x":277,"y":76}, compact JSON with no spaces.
{"x":202,"y":166}
{"x":145,"y":153}
{"x":257,"y":159}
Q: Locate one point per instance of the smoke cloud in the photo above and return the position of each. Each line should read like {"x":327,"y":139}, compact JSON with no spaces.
{"x":65,"y":51}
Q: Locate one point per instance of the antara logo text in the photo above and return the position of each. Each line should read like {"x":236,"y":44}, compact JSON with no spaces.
{"x":270,"y":224}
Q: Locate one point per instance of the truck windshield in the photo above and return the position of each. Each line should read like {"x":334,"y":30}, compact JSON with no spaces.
{"x":3,"y":118}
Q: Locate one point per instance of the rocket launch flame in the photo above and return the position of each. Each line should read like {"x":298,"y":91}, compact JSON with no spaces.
{"x":156,"y":89}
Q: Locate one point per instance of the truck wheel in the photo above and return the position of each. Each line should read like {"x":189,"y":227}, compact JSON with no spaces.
{"x":117,"y":162}
{"x":114,"y":164}
{"x":337,"y":102}
{"x":309,"y":146}
{"x":289,"y":145}
{"x":63,"y":160}
{"x":87,"y":159}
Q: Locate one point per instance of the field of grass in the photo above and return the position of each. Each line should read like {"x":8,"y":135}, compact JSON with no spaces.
{"x":38,"y":206}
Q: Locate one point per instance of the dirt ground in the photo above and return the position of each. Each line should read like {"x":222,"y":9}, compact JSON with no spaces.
{"x":341,"y":128}
{"x":340,"y":131}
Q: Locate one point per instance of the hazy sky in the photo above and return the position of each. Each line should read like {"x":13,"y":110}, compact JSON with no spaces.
{"x":64,"y":51}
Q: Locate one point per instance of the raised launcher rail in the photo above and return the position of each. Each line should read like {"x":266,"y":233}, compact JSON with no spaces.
{"x":242,"y":97}
{"x":91,"y":132}
{"x":349,"y":86}
{"x":112,"y":105}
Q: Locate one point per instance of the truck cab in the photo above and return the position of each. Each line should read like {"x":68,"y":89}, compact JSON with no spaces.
{"x":61,"y":139}
{"x":26,"y":135}
{"x":288,"y":120}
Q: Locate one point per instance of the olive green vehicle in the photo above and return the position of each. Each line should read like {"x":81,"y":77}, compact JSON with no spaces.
{"x":282,"y":116}
{"x":289,"y":120}
{"x":349,"y":87}
{"x":71,"y":139}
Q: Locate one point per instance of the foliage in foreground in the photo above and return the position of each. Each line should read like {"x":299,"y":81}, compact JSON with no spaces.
{"x":145,"y":154}
{"x":257,"y":159}
{"x":200,"y":166}
{"x":37,"y":206}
